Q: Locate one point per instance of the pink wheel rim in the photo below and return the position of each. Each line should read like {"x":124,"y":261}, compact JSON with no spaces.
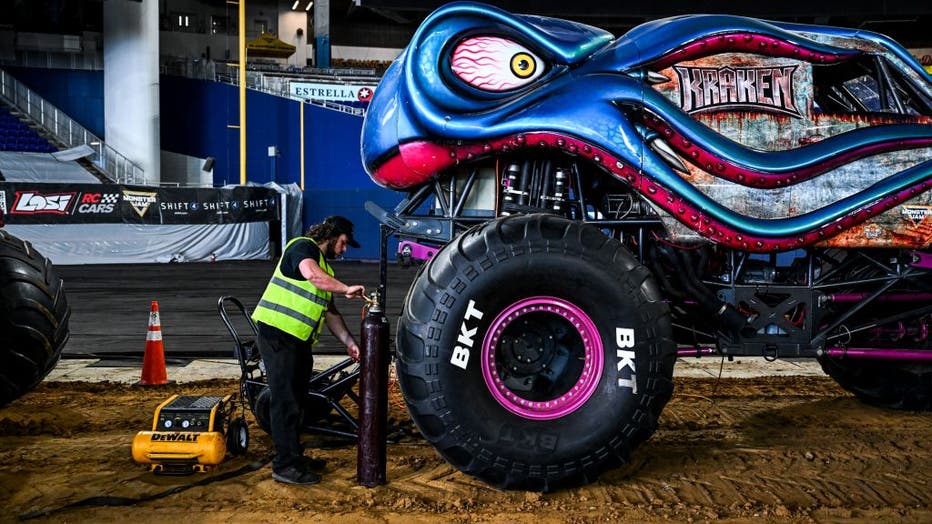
{"x":585,"y":384}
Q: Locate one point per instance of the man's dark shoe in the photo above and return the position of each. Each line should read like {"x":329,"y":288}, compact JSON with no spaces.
{"x":296,"y":475}
{"x":312,"y":463}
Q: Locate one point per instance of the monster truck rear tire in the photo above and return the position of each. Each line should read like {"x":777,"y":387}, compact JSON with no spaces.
{"x":895,"y":385}
{"x":535,"y":353}
{"x":33,"y":318}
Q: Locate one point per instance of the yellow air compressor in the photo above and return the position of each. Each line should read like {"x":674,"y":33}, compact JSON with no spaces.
{"x":191,"y":434}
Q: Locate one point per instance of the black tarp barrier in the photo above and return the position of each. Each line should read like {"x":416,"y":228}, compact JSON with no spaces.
{"x":36,"y":203}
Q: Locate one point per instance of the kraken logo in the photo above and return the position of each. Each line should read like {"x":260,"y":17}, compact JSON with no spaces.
{"x":737,"y":88}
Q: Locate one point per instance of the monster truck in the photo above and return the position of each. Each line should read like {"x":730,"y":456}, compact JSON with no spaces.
{"x":33,"y":317}
{"x":593,"y":207}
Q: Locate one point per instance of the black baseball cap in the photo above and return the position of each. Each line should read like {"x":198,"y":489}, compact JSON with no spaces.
{"x":342,"y":226}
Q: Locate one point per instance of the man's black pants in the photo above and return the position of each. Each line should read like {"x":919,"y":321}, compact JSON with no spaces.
{"x":288,"y":366}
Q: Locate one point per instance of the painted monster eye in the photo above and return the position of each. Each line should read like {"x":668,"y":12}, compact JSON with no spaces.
{"x":495,"y":64}
{"x":523,"y":65}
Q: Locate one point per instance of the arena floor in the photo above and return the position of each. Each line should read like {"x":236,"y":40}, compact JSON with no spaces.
{"x":740,"y":442}
{"x":736,"y":450}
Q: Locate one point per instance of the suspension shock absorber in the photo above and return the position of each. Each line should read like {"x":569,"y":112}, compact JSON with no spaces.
{"x":546,"y":183}
{"x":523,"y":181}
{"x":510,"y":184}
{"x":559,"y":189}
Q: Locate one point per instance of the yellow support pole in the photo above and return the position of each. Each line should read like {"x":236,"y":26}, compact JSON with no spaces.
{"x":242,"y":92}
{"x":301,"y":134}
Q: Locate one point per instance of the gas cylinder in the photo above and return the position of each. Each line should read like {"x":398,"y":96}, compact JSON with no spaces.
{"x":373,"y":396}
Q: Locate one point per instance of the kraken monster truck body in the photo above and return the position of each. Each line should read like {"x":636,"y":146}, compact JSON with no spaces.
{"x":592,"y":206}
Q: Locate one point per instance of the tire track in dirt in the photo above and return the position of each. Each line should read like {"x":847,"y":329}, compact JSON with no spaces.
{"x":783,"y":449}
{"x":823,"y":449}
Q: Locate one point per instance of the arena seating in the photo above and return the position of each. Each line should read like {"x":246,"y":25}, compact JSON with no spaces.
{"x":15,"y":135}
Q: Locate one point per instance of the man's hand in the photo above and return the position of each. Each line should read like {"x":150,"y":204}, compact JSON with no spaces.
{"x":353,"y":351}
{"x":355,"y":292}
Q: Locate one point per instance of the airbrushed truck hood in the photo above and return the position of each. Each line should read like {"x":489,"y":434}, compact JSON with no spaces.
{"x":454,"y":95}
{"x":425,"y":103}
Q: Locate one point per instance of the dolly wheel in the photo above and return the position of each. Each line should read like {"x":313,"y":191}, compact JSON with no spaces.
{"x":238,"y":437}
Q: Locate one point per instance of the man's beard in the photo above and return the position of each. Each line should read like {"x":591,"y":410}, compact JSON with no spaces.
{"x":329,"y":252}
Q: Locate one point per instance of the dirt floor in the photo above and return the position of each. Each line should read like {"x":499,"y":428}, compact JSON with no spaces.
{"x":770,"y":449}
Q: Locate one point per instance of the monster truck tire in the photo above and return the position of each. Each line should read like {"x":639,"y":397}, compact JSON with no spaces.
{"x":535,"y":353}
{"x":895,"y":385}
{"x":33,"y":318}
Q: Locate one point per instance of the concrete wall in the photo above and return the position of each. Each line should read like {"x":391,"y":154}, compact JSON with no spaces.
{"x":185,"y":170}
{"x":292,"y":29}
{"x":131,"y":83}
{"x":365,"y":53}
{"x":220,"y":47}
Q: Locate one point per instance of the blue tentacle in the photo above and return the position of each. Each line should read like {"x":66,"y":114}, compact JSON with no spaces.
{"x":653,"y":40}
{"x":779,"y":161}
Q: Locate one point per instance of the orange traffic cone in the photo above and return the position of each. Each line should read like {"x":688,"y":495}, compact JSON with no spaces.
{"x":153,"y":361}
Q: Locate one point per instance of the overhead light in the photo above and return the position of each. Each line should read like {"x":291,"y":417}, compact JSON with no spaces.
{"x":309,"y":6}
{"x":295,"y":5}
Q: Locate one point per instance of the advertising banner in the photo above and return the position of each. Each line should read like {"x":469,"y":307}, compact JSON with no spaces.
{"x":331,"y":92}
{"x":36,"y":203}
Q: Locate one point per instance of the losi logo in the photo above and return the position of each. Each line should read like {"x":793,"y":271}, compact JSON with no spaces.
{"x":32,"y":203}
{"x":98,"y":202}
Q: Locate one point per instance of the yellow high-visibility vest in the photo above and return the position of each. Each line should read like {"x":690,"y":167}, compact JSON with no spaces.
{"x":294,"y":306}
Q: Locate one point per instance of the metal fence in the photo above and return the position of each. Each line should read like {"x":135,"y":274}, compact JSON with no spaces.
{"x":273,"y":81}
{"x":70,"y":133}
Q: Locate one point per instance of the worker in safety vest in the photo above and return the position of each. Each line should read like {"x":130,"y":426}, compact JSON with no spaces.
{"x":297,"y":300}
